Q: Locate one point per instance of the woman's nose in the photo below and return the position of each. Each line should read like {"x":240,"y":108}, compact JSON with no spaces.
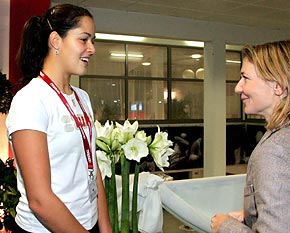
{"x":238,"y":88}
{"x":91,"y":48}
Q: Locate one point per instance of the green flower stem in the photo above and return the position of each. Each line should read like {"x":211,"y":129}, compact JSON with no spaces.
{"x":111,"y":194}
{"x":115,"y":216}
{"x":134,"y":199}
{"x":107,"y":190}
{"x":125,"y":222}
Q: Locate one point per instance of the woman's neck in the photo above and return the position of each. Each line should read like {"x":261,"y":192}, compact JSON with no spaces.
{"x":61,"y":81}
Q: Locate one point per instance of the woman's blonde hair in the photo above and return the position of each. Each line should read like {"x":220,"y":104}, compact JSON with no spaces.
{"x":272,"y":62}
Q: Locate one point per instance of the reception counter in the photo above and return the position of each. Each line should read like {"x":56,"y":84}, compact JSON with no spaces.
{"x":195,"y":201}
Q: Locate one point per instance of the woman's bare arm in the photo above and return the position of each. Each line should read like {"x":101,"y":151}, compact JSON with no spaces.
{"x":31,"y":152}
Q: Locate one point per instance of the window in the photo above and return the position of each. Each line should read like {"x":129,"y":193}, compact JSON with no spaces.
{"x":146,"y":100}
{"x":233,"y":66}
{"x":108,"y":60}
{"x":147,"y":61}
{"x":107,"y":97}
{"x":187,"y":85}
{"x":153,"y":82}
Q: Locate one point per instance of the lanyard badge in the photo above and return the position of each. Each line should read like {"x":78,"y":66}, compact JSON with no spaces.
{"x":79,"y":124}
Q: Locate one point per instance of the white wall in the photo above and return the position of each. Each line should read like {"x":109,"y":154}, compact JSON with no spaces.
{"x":4,"y":67}
{"x":4,"y":36}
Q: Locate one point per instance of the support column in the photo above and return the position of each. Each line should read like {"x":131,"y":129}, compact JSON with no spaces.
{"x":214,"y":109}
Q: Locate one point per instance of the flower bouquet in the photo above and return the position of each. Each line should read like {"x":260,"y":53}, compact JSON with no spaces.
{"x":127,"y":145}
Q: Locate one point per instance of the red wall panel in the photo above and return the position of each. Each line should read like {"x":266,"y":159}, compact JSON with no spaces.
{"x":20,"y":11}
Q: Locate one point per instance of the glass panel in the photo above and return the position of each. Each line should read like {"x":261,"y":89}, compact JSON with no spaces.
{"x":233,"y":102}
{"x":187,"y":100}
{"x":107,"y":97}
{"x":103,"y":62}
{"x":147,"y":61}
{"x":146,"y":100}
{"x":255,"y":117}
{"x":187,"y":63}
{"x":233,"y":65}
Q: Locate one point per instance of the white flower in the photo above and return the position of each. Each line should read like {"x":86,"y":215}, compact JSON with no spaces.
{"x":104,"y":131}
{"x":160,"y":140}
{"x":141,"y":135}
{"x":161,"y":157}
{"x":118,"y":135}
{"x":116,"y":140}
{"x":104,"y":164}
{"x":160,"y":149}
{"x":135,"y":149}
{"x":126,"y":131}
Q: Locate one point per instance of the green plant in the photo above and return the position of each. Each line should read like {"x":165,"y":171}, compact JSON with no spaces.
{"x":9,"y":194}
{"x":127,"y":144}
{"x":5,"y":94}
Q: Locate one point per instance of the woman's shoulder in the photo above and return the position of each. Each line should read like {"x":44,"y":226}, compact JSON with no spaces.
{"x":34,"y":88}
{"x":278,"y":144}
{"x":282,"y":135}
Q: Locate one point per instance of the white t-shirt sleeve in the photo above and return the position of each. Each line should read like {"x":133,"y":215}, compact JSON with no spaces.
{"x":27,"y":111}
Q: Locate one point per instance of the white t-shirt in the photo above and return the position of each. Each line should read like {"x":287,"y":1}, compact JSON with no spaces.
{"x":38,"y":107}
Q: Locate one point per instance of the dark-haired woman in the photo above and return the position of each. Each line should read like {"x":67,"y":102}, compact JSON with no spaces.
{"x":50,"y":125}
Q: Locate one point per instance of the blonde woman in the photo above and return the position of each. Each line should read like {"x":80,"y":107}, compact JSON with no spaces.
{"x":264,"y":89}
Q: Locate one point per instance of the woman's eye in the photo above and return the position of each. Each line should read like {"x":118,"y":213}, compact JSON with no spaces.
{"x":84,"y":39}
{"x":244,"y":77}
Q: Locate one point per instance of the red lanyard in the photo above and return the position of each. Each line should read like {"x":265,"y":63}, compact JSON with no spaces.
{"x":79,"y":124}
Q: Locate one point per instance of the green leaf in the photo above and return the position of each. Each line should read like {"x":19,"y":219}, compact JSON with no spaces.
{"x":103,"y":146}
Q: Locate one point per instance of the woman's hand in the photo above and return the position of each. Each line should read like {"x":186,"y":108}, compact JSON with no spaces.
{"x":239,"y":215}
{"x":217,"y":221}
{"x":219,"y":218}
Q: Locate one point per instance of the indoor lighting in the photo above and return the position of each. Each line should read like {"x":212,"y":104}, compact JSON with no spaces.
{"x":233,"y":61}
{"x":194,"y":43}
{"x":196,"y":56}
{"x":129,"y":55}
{"x":146,"y":63}
{"x":104,"y":36}
{"x":165,"y":95}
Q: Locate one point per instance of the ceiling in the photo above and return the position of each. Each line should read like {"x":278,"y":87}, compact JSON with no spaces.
{"x":274,"y":14}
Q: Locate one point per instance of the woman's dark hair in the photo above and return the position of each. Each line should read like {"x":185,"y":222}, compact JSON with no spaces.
{"x":34,"y":44}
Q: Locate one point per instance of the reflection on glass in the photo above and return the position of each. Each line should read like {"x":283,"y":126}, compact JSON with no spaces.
{"x":146,"y":100}
{"x":106,"y":61}
{"x":187,"y":100}
{"x":186,"y":62}
{"x":107,"y":97}
{"x":233,"y":65}
{"x":147,"y":61}
{"x":255,"y":117}
{"x":233,"y":102}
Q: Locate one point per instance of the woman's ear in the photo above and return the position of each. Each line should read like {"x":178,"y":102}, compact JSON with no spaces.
{"x":54,"y":40}
{"x":278,"y":90}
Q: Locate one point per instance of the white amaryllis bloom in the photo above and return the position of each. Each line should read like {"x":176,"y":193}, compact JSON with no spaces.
{"x":126,"y":131}
{"x":118,"y":134}
{"x":160,"y":140}
{"x":141,"y":135}
{"x":161,"y":157}
{"x":159,"y":149}
{"x":135,"y":149}
{"x":104,"y":164}
{"x":104,"y":131}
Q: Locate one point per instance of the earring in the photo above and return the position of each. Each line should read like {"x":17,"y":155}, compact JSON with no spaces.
{"x":56,"y":52}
